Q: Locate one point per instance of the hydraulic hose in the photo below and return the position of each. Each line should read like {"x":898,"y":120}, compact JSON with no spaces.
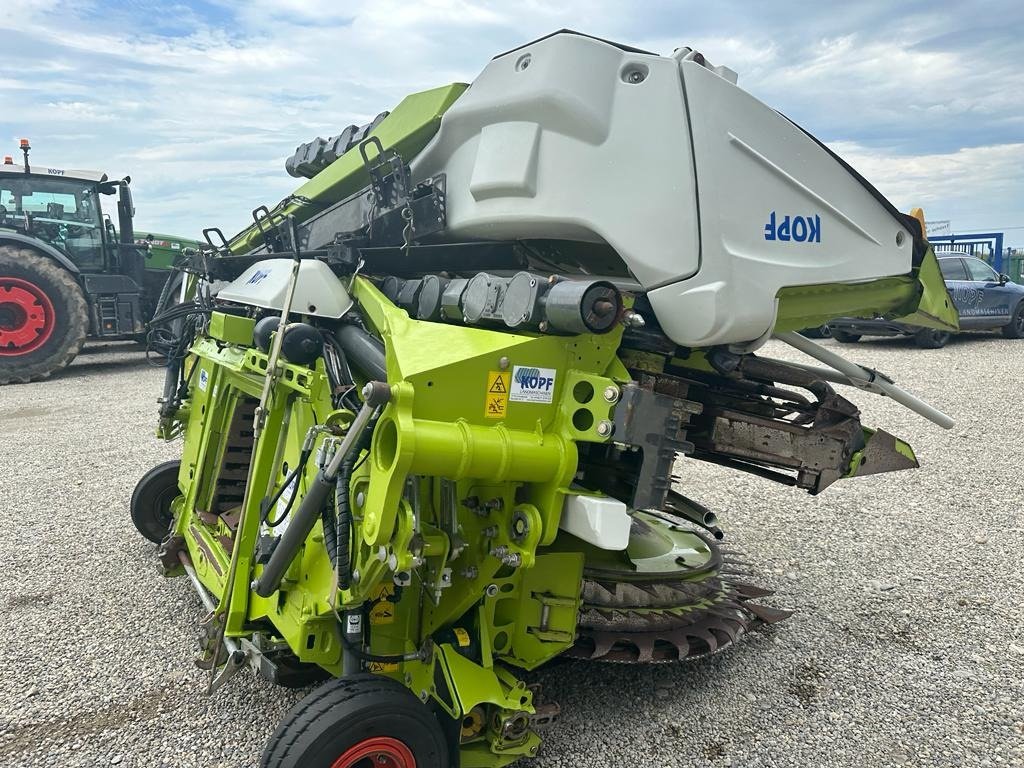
{"x":341,"y":522}
{"x":375,"y":394}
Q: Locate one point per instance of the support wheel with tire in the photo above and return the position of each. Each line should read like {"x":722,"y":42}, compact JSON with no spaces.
{"x":44,"y":317}
{"x":1015,"y":328}
{"x":931,"y":338}
{"x":152,"y":499}
{"x":355,"y":722}
{"x":844,"y":337}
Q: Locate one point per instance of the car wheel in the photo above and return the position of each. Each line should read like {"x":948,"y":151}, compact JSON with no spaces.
{"x":930,"y":338}
{"x":1015,"y":328}
{"x":845,"y":338}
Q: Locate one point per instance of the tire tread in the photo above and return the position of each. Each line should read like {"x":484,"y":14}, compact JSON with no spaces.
{"x":70,"y":297}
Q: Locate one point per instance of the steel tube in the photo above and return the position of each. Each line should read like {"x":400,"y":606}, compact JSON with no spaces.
{"x":864,"y":378}
{"x":204,"y":596}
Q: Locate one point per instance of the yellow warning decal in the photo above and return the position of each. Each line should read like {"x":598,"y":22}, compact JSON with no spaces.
{"x":382,"y":608}
{"x":382,"y":613}
{"x":383,"y":592}
{"x":381,"y":666}
{"x":462,"y":636}
{"x":497,"y":394}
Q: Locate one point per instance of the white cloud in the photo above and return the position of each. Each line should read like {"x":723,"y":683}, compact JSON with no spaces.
{"x":968,"y":186}
{"x":203,"y":118}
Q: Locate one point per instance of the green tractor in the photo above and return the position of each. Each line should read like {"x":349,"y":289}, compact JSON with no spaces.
{"x":438,"y":403}
{"x":67,"y":274}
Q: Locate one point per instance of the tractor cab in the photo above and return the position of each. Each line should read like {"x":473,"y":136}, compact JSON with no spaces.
{"x":62,"y":209}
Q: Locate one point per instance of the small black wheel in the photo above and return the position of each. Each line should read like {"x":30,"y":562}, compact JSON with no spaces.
{"x":1015,"y":328}
{"x":358,"y":721}
{"x":152,"y":498}
{"x":843,"y":337}
{"x":930,"y":338}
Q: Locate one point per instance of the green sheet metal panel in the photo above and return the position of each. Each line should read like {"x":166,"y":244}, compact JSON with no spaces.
{"x":407,"y":129}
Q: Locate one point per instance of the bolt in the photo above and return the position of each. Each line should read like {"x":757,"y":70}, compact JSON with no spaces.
{"x":543,"y":327}
{"x":611,"y":394}
{"x":500,"y":551}
{"x":633,"y":319}
{"x":497,"y":503}
{"x":360,"y":499}
{"x":605,"y":428}
{"x":512,"y":559}
{"x":355,"y":577}
{"x":382,"y":554}
{"x":491,"y":590}
{"x":503,"y":363}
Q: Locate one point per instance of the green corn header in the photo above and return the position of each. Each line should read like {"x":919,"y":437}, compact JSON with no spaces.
{"x":437,"y":414}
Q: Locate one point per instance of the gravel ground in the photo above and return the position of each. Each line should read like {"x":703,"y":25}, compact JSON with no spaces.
{"x":907,"y":647}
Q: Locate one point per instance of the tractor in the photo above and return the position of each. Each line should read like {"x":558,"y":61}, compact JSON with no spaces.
{"x":67,"y":274}
{"x":438,"y":404}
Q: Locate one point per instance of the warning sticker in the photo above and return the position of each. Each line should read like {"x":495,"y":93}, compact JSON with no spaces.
{"x":382,"y":607}
{"x":532,"y":385}
{"x":381,"y":666}
{"x":497,"y":394}
{"x":382,"y":613}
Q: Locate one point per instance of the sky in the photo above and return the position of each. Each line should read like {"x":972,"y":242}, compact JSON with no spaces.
{"x":201,"y":102}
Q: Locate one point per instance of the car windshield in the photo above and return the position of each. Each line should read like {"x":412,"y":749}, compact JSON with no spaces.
{"x":62,"y":212}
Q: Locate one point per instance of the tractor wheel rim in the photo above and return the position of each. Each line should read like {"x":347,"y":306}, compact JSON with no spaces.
{"x":27,"y":318}
{"x":377,"y":752}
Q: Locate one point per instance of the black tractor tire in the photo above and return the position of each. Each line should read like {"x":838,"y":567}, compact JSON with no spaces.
{"x":843,"y":337}
{"x":152,"y":498}
{"x":930,"y":338}
{"x":358,"y":721}
{"x":43,"y":299}
{"x":1015,"y":328}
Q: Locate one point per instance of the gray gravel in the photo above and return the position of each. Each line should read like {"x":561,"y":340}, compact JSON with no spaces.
{"x":907,"y":648}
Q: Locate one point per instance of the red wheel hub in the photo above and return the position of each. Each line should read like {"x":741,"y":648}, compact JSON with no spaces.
{"x":27,"y":318}
{"x":376,"y":752}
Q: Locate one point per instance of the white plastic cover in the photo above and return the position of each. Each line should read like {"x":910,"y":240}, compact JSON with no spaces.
{"x":318,"y":292}
{"x":713,"y":200}
{"x":598,"y":520}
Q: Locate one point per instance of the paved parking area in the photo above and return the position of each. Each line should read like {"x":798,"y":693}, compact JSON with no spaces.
{"x":907,"y":647}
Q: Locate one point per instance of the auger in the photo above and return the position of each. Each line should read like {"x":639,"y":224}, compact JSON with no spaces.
{"x":438,"y":413}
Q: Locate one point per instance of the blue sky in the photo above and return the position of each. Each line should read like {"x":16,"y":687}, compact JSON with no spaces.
{"x":201,"y":102}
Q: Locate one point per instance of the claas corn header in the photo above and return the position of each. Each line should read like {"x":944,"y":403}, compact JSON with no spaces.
{"x":438,"y":403}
